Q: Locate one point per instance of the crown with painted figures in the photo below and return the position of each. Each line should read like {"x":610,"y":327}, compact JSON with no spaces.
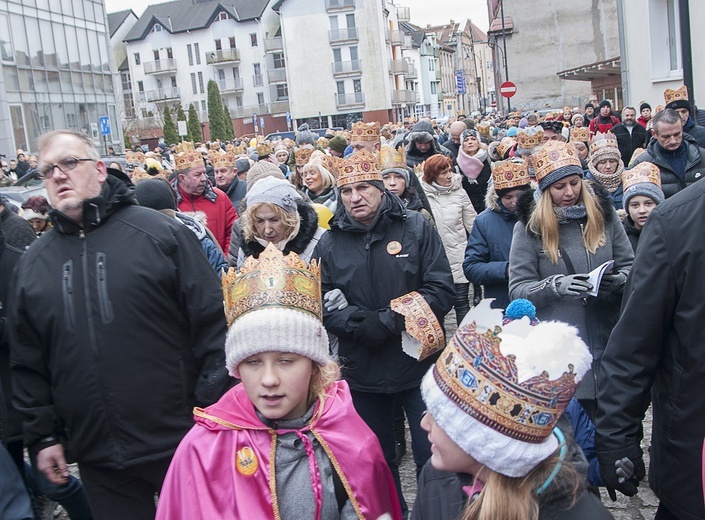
{"x":530,"y":139}
{"x":510,"y":174}
{"x":555,"y":160}
{"x":642,"y":172}
{"x":135,"y":158}
{"x":359,"y":167}
{"x":187,"y":157}
{"x":389,"y":158}
{"x":581,"y":134}
{"x":264,"y":148}
{"x":670,"y":95}
{"x":223,"y":159}
{"x":365,"y":131}
{"x":505,"y":145}
{"x":302,"y":155}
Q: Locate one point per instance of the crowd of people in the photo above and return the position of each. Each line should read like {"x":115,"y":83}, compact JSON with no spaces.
{"x":241,"y":329}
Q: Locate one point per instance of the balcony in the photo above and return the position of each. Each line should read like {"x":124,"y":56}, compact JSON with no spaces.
{"x":397,"y":38}
{"x":398,"y":67}
{"x":160,"y":94}
{"x":257,"y":80}
{"x":160,"y":66}
{"x":403,"y":14}
{"x":411,"y":72}
{"x":347,"y":68}
{"x":337,"y":5}
{"x":354,"y":99}
{"x":223,"y":56}
{"x":277,"y":75}
{"x":387,"y":35}
{"x":250,"y":110}
{"x":230,"y":85}
{"x":278,"y":107}
{"x":402,"y":97}
{"x":346,"y":34}
{"x":273,"y":44}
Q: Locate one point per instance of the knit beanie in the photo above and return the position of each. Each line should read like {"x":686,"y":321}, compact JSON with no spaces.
{"x":643,"y":106}
{"x":643,"y":179}
{"x":604,"y":146}
{"x":260,"y":170}
{"x":304,"y":135}
{"x":338,"y":143}
{"x":498,"y":390}
{"x":272,"y":190}
{"x":604,"y":103}
{"x":242,"y":165}
{"x":155,"y":194}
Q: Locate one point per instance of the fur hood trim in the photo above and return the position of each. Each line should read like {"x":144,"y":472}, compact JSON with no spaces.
{"x":307,"y":230}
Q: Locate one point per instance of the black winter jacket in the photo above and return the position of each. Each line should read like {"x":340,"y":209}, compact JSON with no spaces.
{"x":628,"y":142}
{"x":360,"y":264}
{"x":657,"y":351}
{"x":118,"y":331}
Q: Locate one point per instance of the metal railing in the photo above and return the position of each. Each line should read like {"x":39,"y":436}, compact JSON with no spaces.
{"x":257,"y":80}
{"x":276,"y":75}
{"x":347,"y":67}
{"x":160,"y":66}
{"x":333,"y":5}
{"x":163,"y":94}
{"x":343,"y":35}
{"x":276,"y":107}
{"x":398,"y":66}
{"x":403,"y":96}
{"x":351,"y":99}
{"x":273,"y":44}
{"x":230,"y":85}
{"x":223,"y":56}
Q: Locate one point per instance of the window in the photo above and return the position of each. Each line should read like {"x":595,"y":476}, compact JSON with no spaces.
{"x":278,"y":60}
{"x":193,"y":83}
{"x":221,"y":74}
{"x":169,"y":53}
{"x":663,"y":16}
{"x":257,"y":68}
{"x":157,"y":28}
{"x":173,"y":81}
{"x":198,"y":53}
{"x":340,"y":85}
{"x":137,"y":58}
{"x":224,"y":16}
{"x":260,"y":98}
{"x":337,"y":56}
{"x":203,"y":105}
{"x":236,"y":73}
{"x":350,"y":19}
{"x":125,"y":80}
{"x":431,"y":65}
{"x":156,"y":55}
{"x":218,"y":46}
{"x":282,"y":92}
{"x":253,"y":39}
{"x":189,"y":50}
{"x":334,"y":23}
{"x":5,"y":46}
{"x":232,"y":42}
{"x":357,"y":85}
{"x":238,"y":101}
{"x":353,"y":54}
{"x":434,"y":89}
{"x":200,"y":81}
{"x":140,"y":86}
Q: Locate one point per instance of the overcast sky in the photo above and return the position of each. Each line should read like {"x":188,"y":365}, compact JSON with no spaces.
{"x":434,"y":12}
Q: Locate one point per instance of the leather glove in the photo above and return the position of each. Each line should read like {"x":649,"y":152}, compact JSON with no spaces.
{"x":623,"y":475}
{"x":573,"y":285}
{"x":334,"y":300}
{"x":370,"y":330}
{"x":613,"y":282}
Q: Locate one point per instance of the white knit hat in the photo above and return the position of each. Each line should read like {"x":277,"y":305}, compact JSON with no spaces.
{"x":498,"y":392}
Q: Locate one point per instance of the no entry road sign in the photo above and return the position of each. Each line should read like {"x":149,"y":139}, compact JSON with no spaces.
{"x":507,"y":89}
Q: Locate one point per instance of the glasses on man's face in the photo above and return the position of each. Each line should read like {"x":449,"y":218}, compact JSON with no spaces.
{"x":65,"y":165}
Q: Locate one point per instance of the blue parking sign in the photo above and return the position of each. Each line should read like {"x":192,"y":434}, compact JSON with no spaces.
{"x":104,"y":123}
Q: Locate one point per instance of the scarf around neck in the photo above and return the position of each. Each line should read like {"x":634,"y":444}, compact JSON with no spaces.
{"x":610,"y":182}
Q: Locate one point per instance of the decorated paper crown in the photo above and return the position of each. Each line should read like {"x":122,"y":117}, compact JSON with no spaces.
{"x":186,"y":157}
{"x":389,"y":158}
{"x":505,"y":145}
{"x":215,"y":145}
{"x":498,"y":391}
{"x":229,"y":147}
{"x":601,"y":141}
{"x":642,"y":172}
{"x":365,"y":131}
{"x":359,"y":167}
{"x":223,"y":159}
{"x":272,"y":280}
{"x":264,"y":148}
{"x":529,"y":140}
{"x":322,"y":142}
{"x":483,"y":129}
{"x":555,"y":160}
{"x":423,"y":334}
{"x":332,"y":164}
{"x":302,"y":155}
{"x":635,"y":156}
{"x":510,"y":174}
{"x":670,"y":95}
{"x":134,"y":158}
{"x":239,"y":149}
{"x":418,"y":169}
{"x":581,"y":134}
{"x":659,"y":108}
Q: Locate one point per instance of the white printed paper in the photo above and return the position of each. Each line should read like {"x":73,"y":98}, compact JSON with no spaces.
{"x":595,"y":276}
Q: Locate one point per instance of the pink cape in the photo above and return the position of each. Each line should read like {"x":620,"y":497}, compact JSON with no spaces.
{"x":222,"y":470}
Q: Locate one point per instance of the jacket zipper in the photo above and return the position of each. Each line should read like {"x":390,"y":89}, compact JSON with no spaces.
{"x":106,"y":308}
{"x":67,"y":286}
{"x":370,"y":270}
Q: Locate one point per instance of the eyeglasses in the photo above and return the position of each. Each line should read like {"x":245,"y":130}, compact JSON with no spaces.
{"x":66,"y":165}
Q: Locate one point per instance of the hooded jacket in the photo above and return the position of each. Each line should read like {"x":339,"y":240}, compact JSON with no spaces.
{"x":371,"y":270}
{"x":532,"y":275}
{"x":413,"y":155}
{"x":695,"y":131}
{"x":118,"y":330}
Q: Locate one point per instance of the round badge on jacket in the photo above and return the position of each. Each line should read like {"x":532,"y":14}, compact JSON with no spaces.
{"x":394,"y":248}
{"x":246,"y":461}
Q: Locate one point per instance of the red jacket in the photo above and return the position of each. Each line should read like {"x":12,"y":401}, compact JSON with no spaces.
{"x":218,"y":208}
{"x":597,"y":126}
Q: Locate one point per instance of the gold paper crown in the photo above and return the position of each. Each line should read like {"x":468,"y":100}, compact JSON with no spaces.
{"x":272,"y":280}
{"x":552,"y":156}
{"x":601,"y":141}
{"x":510,"y":174}
{"x":389,"y":158}
{"x":215,"y":145}
{"x":483,"y":129}
{"x":659,"y":108}
{"x":302,"y":155}
{"x":528,"y":141}
{"x":635,"y":156}
{"x":581,"y":134}
{"x":670,"y":95}
{"x":136,"y":158}
{"x":186,"y":157}
{"x":359,"y":167}
{"x":229,"y":147}
{"x":365,"y":131}
{"x":322,"y":142}
{"x":505,"y":145}
{"x":223,"y":159}
{"x":332,"y":164}
{"x":418,"y":169}
{"x":264,"y":148}
{"x":420,"y":323}
{"x":642,"y":172}
{"x":240,"y":149}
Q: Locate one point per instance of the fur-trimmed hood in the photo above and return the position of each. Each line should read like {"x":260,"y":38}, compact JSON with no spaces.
{"x":526,"y":203}
{"x":298,"y":244}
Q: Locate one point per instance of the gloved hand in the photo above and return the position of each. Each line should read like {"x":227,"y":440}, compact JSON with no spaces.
{"x":623,"y":475}
{"x":334,"y":300}
{"x":573,"y":285}
{"x":370,"y":331}
{"x":613,"y":282}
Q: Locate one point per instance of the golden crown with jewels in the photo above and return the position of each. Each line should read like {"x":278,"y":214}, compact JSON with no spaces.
{"x":603,"y":140}
{"x":359,"y":167}
{"x":505,"y":145}
{"x":135,"y":158}
{"x":187,"y":157}
{"x":264,"y":148}
{"x":670,"y":95}
{"x":510,"y":174}
{"x":642,"y":172}
{"x":302,"y":155}
{"x":389,"y":158}
{"x":581,"y":134}
{"x":528,"y":140}
{"x":365,"y":131}
{"x":223,"y":159}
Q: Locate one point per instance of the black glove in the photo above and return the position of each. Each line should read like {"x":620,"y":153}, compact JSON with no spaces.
{"x":623,"y":475}
{"x":370,"y":330}
{"x":573,"y":285}
{"x":613,"y":282}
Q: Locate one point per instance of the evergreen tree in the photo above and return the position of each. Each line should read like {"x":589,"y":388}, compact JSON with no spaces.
{"x":229,"y":130}
{"x":171,"y":134}
{"x":194,"y":125}
{"x":216,"y":118}
{"x":181,"y":116}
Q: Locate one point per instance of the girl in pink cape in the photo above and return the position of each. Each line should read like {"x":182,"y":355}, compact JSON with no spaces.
{"x":286,"y":443}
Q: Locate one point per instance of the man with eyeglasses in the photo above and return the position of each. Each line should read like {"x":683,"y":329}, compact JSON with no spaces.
{"x":117,"y":331}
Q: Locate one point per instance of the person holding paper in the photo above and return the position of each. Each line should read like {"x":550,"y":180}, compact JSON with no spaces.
{"x":568,"y":227}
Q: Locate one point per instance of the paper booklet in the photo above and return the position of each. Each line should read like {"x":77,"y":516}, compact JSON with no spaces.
{"x":595,"y":276}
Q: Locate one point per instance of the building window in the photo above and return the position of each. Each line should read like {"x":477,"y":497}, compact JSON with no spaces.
{"x":236,"y":73}
{"x":663,"y":16}
{"x":193,"y":83}
{"x":357,"y":85}
{"x":232,"y":42}
{"x":218,"y":45}
{"x":156,"y":55}
{"x":125,"y":80}
{"x":200,"y":81}
{"x":169,"y":53}
{"x":198,"y":53}
{"x":282,"y":92}
{"x":137,"y":58}
{"x":340,"y":86}
{"x":278,"y":60}
{"x":350,"y":20}
{"x":203,"y":105}
{"x":260,"y":98}
{"x":173,"y":81}
{"x":238,"y":101}
{"x":434,"y":89}
{"x":189,"y":50}
{"x":257,"y":68}
{"x":157,"y":28}
{"x":224,"y":16}
{"x":140,"y":86}
{"x":253,"y":39}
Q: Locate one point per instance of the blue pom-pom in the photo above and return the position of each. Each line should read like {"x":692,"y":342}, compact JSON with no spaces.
{"x":520,"y":308}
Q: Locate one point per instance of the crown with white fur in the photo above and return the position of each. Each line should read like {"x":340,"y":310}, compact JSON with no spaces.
{"x":498,"y":391}
{"x":274,"y":304}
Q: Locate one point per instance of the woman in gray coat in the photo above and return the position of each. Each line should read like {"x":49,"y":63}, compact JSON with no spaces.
{"x":568,"y":228}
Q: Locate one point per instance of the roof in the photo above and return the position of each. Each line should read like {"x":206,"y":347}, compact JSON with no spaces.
{"x":598,"y":69}
{"x":115,"y":20}
{"x":417,"y":35}
{"x":189,"y":15}
{"x":496,"y":25}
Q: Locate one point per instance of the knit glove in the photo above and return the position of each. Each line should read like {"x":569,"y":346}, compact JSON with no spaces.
{"x":623,"y":475}
{"x":370,"y":331}
{"x":613,"y":282}
{"x":573,"y":285}
{"x":334,"y":300}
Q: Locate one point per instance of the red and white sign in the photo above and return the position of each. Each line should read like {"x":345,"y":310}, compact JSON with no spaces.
{"x":507,"y":89}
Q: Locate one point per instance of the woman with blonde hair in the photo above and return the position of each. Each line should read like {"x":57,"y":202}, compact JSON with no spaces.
{"x":568,"y":228}
{"x":319,"y":181}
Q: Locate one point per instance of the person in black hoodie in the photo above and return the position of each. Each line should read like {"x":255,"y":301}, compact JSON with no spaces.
{"x":422,"y":144}
{"x":117,"y":331}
